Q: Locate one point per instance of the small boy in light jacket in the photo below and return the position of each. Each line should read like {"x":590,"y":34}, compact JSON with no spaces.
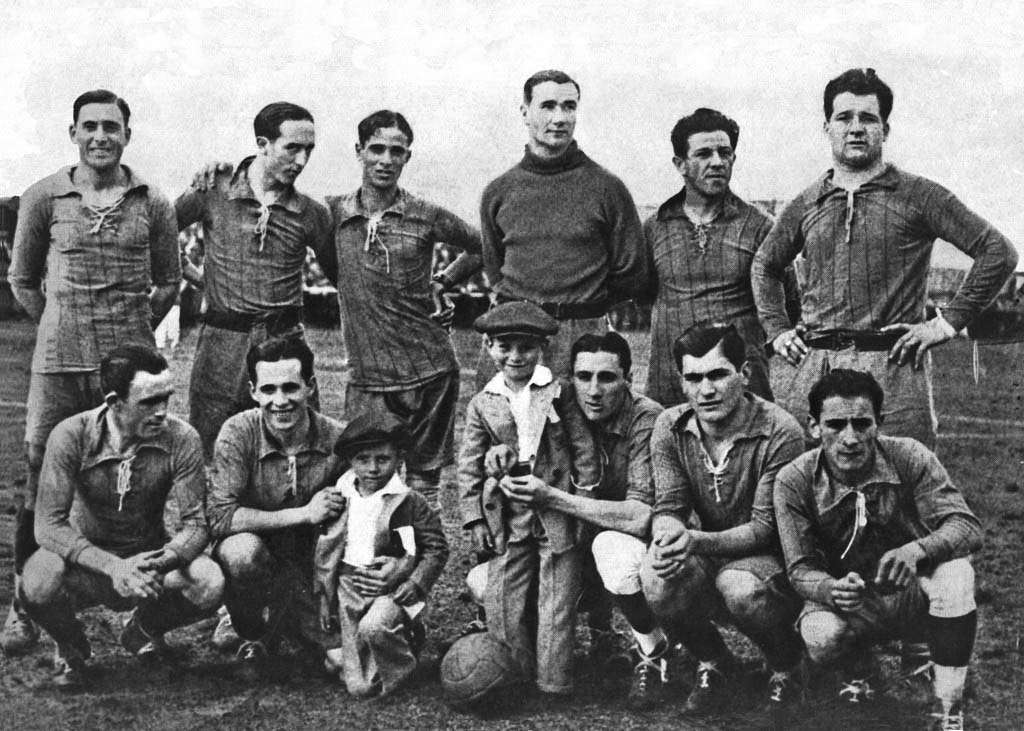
{"x":382,"y":518}
{"x":518,"y":409}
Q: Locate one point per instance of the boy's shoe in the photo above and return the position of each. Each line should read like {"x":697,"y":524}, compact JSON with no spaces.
{"x":141,"y":643}
{"x":224,"y":636}
{"x":707,"y":688}
{"x":856,"y":690}
{"x":948,"y":717}
{"x":252,"y":651}
{"x":650,"y":676}
{"x":19,"y":634}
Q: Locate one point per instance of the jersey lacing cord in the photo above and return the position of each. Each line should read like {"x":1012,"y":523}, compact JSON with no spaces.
{"x":262,"y":223}
{"x":717,"y":473}
{"x":372,"y":224}
{"x":105,"y":218}
{"x":124,"y":480}
{"x":860,"y":522}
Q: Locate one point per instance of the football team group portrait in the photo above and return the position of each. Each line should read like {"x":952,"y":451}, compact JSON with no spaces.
{"x":282,"y":459}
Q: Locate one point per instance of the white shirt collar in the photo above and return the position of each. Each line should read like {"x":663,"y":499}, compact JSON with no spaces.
{"x":347,"y":484}
{"x":541,"y":377}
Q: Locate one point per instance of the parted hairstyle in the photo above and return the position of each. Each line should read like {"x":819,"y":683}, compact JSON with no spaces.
{"x":269,"y":119}
{"x":559,"y":77}
{"x":277,"y":349}
{"x":100,"y":96}
{"x":383,"y":119}
{"x":119,"y":366}
{"x":701,"y":339}
{"x":845,"y":383}
{"x":702,"y":120}
{"x":609,"y":342}
{"x":862,"y":82}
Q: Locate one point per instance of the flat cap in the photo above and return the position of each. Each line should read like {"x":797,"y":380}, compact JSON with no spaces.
{"x":516,"y":318}
{"x":369,"y":429}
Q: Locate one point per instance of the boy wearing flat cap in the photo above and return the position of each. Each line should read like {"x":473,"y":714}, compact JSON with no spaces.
{"x":517,"y":416}
{"x":380,"y":632}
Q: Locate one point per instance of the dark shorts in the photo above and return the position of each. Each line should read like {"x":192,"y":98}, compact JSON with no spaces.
{"x":882,"y":617}
{"x":428,"y":411}
{"x":53,"y":397}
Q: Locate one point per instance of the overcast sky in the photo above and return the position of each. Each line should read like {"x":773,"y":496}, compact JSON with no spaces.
{"x":196,"y":75}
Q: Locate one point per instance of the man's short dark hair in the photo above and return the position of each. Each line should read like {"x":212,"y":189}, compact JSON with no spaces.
{"x":100,"y":96}
{"x":119,"y":366}
{"x":702,"y":120}
{"x":559,"y":77}
{"x":845,"y":383}
{"x":383,"y":119}
{"x":277,"y":349}
{"x":701,"y":339}
{"x":609,"y":342}
{"x":269,"y":119}
{"x":861,"y":82}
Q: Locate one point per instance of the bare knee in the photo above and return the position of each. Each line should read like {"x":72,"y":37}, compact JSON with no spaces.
{"x":42,"y":577}
{"x":950,"y":589}
{"x":672,"y":598}
{"x":825,"y":636}
{"x":243,"y":556}
{"x":202,"y":582}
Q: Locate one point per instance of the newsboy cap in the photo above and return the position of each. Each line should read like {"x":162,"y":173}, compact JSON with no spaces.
{"x":370,"y":429}
{"x":516,"y":318}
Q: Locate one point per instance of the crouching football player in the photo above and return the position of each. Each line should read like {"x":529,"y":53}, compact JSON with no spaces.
{"x":877,"y":542}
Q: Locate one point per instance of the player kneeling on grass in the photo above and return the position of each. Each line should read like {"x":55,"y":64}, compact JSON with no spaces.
{"x":381,"y":635}
{"x":118,"y":465}
{"x":716,"y":457}
{"x":533,"y":547}
{"x":877,"y":541}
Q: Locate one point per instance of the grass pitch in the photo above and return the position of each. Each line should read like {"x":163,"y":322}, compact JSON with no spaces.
{"x":981,"y":443}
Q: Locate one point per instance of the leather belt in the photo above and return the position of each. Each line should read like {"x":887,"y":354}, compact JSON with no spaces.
{"x":276,"y":321}
{"x":841,"y":338}
{"x":574,"y":310}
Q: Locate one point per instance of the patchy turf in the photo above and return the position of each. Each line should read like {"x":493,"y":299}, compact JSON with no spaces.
{"x":982,"y":444}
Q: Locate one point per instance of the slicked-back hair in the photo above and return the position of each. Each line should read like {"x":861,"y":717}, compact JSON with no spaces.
{"x":269,"y":119}
{"x":861,"y":82}
{"x":702,"y":120}
{"x":701,"y":339}
{"x":383,"y":119}
{"x":277,"y":349}
{"x":609,"y":342}
{"x":559,"y":77}
{"x":119,"y":366}
{"x":100,"y":96}
{"x":845,"y":383}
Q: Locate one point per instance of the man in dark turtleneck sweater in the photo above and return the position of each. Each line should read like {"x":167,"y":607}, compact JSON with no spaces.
{"x":558,"y":229}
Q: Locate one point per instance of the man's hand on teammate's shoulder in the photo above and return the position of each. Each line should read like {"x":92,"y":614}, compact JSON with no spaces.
{"x":325,"y":505}
{"x":206,"y":177}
